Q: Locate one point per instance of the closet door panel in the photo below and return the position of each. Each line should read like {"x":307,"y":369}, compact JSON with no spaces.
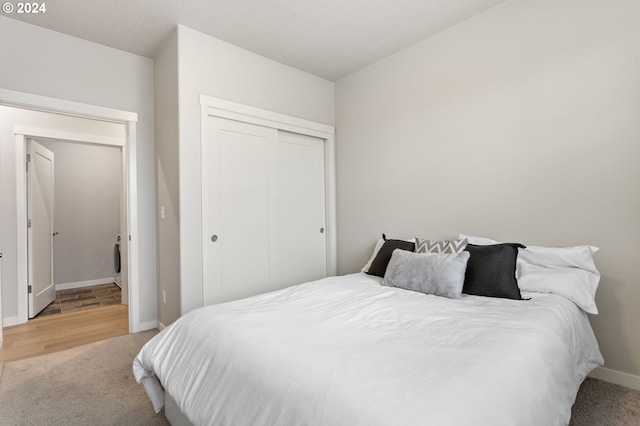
{"x":236,"y":210}
{"x":300,"y":247}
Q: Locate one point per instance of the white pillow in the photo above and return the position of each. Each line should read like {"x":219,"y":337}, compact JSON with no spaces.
{"x":478,"y":241}
{"x":376,"y":249}
{"x":568,"y":271}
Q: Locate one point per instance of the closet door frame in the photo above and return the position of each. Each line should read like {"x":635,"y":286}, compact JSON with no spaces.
{"x":216,"y":107}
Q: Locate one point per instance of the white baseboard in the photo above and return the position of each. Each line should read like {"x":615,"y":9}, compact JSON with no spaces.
{"x":161,"y":326}
{"x":616,"y":377}
{"x":9,"y":321}
{"x":88,"y":283}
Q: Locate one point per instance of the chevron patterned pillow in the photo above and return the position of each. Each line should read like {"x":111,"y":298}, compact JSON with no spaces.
{"x":445,"y":246}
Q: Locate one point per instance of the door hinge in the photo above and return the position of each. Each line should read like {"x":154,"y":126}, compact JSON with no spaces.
{"x":28,"y":161}
{"x":29,"y":289}
{"x":28,"y":223}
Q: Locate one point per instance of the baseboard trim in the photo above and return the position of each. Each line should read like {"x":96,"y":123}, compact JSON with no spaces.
{"x":9,"y":321}
{"x":616,"y":377}
{"x":161,"y":326}
{"x":88,"y":283}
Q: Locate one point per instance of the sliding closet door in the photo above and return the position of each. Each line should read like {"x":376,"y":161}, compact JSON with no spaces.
{"x":299,"y":244}
{"x":236,"y":181}
{"x":263,"y":210}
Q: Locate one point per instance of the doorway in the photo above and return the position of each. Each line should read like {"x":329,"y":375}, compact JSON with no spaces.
{"x":77,"y":207}
{"x":16,"y":247}
{"x":25,"y":137}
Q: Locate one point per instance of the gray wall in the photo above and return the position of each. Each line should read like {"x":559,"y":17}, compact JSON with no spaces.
{"x":52,"y":64}
{"x":520,"y":124}
{"x":88,"y":179}
{"x":167,"y":179}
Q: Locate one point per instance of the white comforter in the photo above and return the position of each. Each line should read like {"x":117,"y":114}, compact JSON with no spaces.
{"x":348,"y":351}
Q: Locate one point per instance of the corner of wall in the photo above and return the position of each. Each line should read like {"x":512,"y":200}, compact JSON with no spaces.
{"x":167,"y":180}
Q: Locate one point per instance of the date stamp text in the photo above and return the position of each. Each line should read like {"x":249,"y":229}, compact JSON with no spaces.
{"x":24,"y":8}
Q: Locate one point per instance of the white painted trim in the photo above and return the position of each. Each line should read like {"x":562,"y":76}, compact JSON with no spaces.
{"x":217,"y":107}
{"x":68,"y":136}
{"x":132,"y":226}
{"x":21,"y":230}
{"x":262,"y":117}
{"x":77,"y":109}
{"x":616,"y":377}
{"x":161,"y":326}
{"x":204,"y":196}
{"x":87,"y":283}
{"x":61,"y":106}
{"x":9,"y":321}
{"x":330,"y":205}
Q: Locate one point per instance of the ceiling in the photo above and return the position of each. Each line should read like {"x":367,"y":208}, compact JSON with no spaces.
{"x":328,"y":38}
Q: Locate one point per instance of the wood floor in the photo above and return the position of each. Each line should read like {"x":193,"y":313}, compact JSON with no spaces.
{"x":64,"y":331}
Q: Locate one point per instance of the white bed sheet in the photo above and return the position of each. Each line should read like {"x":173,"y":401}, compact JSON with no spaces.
{"x":348,"y":351}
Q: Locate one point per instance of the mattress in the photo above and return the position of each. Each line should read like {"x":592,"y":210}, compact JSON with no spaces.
{"x":349,"y":351}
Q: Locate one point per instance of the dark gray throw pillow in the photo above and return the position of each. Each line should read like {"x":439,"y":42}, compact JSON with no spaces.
{"x":491,"y":271}
{"x":379,"y":265}
{"x":430,"y":273}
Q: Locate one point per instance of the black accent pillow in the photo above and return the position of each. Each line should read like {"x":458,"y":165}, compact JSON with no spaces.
{"x":379,"y":265}
{"x":491,"y":271}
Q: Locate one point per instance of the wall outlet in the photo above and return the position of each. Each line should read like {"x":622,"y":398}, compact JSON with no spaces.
{"x":164,"y":296}
{"x":161,"y":212}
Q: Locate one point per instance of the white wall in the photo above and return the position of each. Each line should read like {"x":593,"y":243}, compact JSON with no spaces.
{"x":52,"y":64}
{"x":215,"y":68}
{"x":87,"y":185}
{"x":10,"y":118}
{"x":520,"y":124}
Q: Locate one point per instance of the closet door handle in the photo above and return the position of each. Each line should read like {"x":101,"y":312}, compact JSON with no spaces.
{"x":322,"y":230}
{"x":214,"y":238}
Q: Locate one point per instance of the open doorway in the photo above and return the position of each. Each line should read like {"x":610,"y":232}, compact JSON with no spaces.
{"x":12,"y":154}
{"x":42,"y":127}
{"x":75,"y":208}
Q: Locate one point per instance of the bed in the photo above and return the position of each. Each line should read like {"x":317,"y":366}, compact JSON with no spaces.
{"x":350,"y":351}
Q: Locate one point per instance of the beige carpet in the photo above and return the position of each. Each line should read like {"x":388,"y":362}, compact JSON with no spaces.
{"x":88,"y":385}
{"x":604,"y":404}
{"x":94,"y":385}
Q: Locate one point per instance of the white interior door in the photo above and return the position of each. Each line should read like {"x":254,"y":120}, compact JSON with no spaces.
{"x":236,"y":200}
{"x":299,"y":246}
{"x":40,"y":199}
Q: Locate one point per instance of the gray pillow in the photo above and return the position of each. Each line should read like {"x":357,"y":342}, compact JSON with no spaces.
{"x":430,"y":273}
